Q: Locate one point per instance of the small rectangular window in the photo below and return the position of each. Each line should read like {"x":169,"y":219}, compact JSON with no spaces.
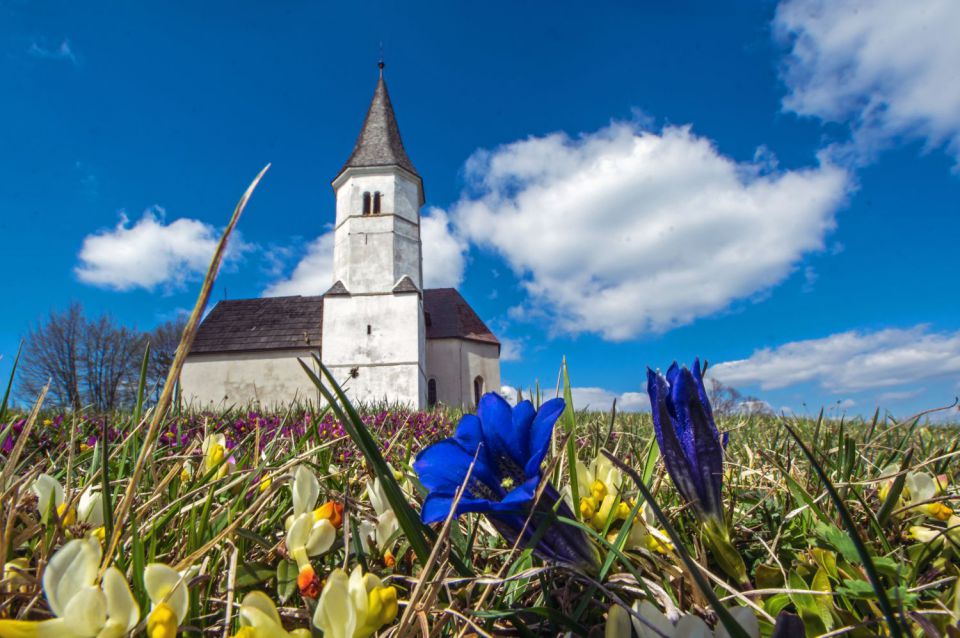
{"x":369,"y":329}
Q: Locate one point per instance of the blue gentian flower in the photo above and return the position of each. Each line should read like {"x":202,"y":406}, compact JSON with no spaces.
{"x":509,"y":445}
{"x":688,"y":438}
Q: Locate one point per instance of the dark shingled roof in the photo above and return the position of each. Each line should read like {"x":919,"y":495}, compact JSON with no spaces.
{"x":379,"y":143}
{"x":450,"y":316}
{"x":276,"y":323}
{"x":286,"y":323}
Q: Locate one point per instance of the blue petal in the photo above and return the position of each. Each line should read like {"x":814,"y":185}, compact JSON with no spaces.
{"x":520,"y":495}
{"x":523,"y":415}
{"x":540,"y":433}
{"x":469,"y":433}
{"x":505,"y":444}
{"x":443,"y":467}
{"x":436,"y":506}
{"x":670,"y":449}
{"x":701,"y":390}
{"x":706,"y":458}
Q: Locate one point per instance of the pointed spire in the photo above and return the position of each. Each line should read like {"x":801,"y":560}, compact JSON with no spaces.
{"x":379,"y":143}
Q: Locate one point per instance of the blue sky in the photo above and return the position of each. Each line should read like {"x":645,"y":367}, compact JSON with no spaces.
{"x":772,"y":186}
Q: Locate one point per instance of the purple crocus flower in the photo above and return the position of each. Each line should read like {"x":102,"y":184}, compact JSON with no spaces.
{"x":688,"y":438}
{"x":506,"y":447}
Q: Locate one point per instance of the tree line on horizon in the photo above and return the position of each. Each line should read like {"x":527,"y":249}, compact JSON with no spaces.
{"x":93,"y":363}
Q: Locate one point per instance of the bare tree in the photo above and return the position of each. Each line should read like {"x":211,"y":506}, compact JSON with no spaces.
{"x":52,"y":353}
{"x":164,"y":340}
{"x":110,"y":363}
{"x":723,"y":398}
{"x":91,"y":363}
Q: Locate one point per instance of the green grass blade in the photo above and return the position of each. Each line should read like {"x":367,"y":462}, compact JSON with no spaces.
{"x":141,"y":385}
{"x":728,"y":621}
{"x":862,"y":551}
{"x":895,"y":490}
{"x":570,"y":424}
{"x":6,"y":394}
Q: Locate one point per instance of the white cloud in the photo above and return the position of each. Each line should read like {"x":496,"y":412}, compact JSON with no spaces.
{"x":151,"y":252}
{"x":443,"y":251}
{"x":594,"y":398}
{"x":510,"y":349}
{"x":313,"y":275}
{"x":885,"y":67}
{"x":623,"y":231}
{"x":63,"y":52}
{"x":850,"y":361}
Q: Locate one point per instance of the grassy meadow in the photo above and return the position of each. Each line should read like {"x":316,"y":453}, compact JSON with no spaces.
{"x":220,"y":519}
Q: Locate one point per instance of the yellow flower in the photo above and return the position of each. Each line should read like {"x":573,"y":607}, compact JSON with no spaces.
{"x":387,"y":524}
{"x":937,"y":510}
{"x":186,"y":471}
{"x":51,"y":498}
{"x":47,"y":422}
{"x":81,"y":608}
{"x":259,"y":619}
{"x":599,"y":483}
{"x":167,"y":590}
{"x":618,"y":623}
{"x":265,"y":483}
{"x":214,"y":450}
{"x":354,"y":607}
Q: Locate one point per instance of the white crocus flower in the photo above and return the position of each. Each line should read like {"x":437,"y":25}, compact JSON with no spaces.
{"x":81,"y":609}
{"x":259,"y":619}
{"x":387,"y":524}
{"x":658,"y":625}
{"x":167,"y":590}
{"x":214,"y":450}
{"x":354,"y":607}
{"x":90,"y":508}
{"x":306,"y":490}
{"x":51,"y":498}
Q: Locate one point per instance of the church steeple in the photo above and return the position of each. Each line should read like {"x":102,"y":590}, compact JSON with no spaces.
{"x":379,"y":143}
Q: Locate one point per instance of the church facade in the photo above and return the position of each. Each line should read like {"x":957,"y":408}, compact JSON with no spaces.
{"x":382,"y":335}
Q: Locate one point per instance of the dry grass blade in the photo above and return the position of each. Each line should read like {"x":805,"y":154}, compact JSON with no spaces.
{"x":160,"y":410}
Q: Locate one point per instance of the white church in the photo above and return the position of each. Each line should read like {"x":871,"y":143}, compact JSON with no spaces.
{"x":382,"y":335}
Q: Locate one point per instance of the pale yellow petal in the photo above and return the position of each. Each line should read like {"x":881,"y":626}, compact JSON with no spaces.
{"x":655,"y":621}
{"x":73,"y":567}
{"x":122,"y":608}
{"x":306,"y":490}
{"x":335,"y":614}
{"x":90,"y":508}
{"x":86,"y":613}
{"x":321,"y":538}
{"x":259,"y":602}
{"x":164,"y":584}
{"x":618,"y":623}
{"x":299,"y":531}
{"x":49,"y":493}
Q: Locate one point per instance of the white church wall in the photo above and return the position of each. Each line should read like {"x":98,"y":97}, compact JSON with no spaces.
{"x":380,"y":336}
{"x":372,"y":252}
{"x":455,"y":363}
{"x":272,"y":377}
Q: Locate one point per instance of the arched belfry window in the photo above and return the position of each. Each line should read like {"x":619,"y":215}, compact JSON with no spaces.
{"x":366,"y":203}
{"x":376,"y":203}
{"x":431,"y":393}
{"x":477,"y":390}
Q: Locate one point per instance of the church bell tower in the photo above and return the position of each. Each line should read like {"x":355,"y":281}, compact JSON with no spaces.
{"x":374,"y":339}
